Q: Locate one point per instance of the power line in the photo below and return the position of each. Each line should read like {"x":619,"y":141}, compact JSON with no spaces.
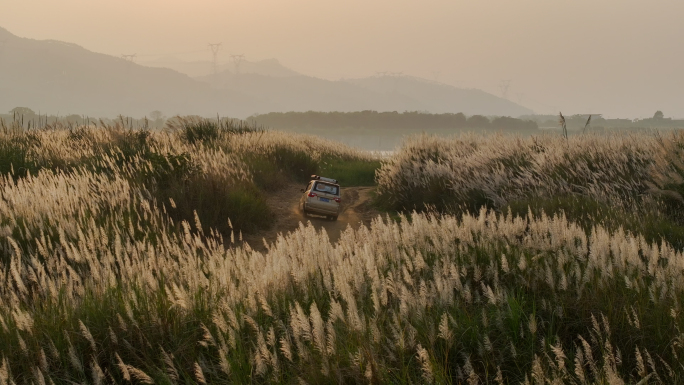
{"x":519,"y":96}
{"x":237,"y":60}
{"x":130,"y":57}
{"x":171,"y":53}
{"x":504,"y":85}
{"x":395,"y":76}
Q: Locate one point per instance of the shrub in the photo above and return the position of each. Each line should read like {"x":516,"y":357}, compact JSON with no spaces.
{"x":478,"y":121}
{"x":300,"y":164}
{"x":130,"y":143}
{"x":216,"y":202}
{"x":236,"y":126}
{"x":17,"y":153}
{"x":195,"y":130}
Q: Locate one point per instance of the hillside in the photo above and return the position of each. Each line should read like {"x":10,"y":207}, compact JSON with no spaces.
{"x":61,"y":77}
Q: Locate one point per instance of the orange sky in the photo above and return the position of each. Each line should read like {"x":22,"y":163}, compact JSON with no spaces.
{"x":617,"y":57}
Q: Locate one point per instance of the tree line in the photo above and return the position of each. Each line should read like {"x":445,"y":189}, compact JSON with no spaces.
{"x":389,"y":120}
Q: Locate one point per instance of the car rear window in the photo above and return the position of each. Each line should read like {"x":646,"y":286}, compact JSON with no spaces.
{"x":326,"y":188}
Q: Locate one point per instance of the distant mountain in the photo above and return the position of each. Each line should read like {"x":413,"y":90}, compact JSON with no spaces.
{"x":56,"y":77}
{"x":53,"y":76}
{"x":386,"y":93}
{"x":304,"y":93}
{"x":441,"y":98}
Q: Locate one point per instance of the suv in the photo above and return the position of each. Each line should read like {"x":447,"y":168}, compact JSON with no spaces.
{"x":321,"y":196}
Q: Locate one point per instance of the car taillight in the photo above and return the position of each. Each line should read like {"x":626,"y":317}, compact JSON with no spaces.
{"x":338,"y":200}
{"x":312,"y":194}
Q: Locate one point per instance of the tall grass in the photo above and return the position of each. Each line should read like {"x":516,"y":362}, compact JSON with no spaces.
{"x":201,"y":130}
{"x":102,"y":281}
{"x":479,"y":299}
{"x":17,"y":156}
{"x":630,"y":174}
{"x":217,"y":169}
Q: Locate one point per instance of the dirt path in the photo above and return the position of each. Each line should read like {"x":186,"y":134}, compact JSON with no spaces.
{"x":284,"y":204}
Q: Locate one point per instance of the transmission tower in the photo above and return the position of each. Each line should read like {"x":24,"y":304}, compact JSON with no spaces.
{"x":503,"y":86}
{"x":237,"y":60}
{"x":130,"y":57}
{"x":520,"y":96}
{"x":395,"y":77}
{"x":215,"y":47}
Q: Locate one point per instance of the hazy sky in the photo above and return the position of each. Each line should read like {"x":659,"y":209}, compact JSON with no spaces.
{"x":618,"y":57}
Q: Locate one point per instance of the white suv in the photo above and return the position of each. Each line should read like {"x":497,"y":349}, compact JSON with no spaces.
{"x":322,"y":196}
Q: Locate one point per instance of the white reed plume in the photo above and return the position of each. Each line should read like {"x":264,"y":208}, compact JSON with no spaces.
{"x":199,"y":374}
{"x":425,"y":364}
{"x":139,"y":375}
{"x":122,"y":367}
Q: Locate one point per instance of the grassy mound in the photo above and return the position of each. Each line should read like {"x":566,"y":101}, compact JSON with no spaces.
{"x":629,"y":181}
{"x":216,"y":170}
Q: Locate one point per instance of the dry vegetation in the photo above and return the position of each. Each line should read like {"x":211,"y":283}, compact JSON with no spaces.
{"x":111,"y":274}
{"x":496,"y":169}
{"x":629,"y":181}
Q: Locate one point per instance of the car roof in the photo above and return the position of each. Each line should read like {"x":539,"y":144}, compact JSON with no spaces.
{"x":323,"y":179}
{"x":326,"y":182}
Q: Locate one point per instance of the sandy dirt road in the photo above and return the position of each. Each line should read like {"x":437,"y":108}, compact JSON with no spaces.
{"x":284,"y":204}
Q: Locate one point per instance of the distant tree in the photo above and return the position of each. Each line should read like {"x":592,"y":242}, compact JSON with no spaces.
{"x":387,"y":120}
{"x":478,"y":121}
{"x":459,"y":119}
{"x":19,"y":111}
{"x":506,"y":122}
{"x":157,"y":119}
{"x":658,"y":115}
{"x":156,"y":115}
{"x":74,"y":119}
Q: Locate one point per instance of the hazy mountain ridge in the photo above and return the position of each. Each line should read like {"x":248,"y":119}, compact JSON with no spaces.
{"x":66,"y":78}
{"x":386,"y":93}
{"x":57,"y":77}
{"x":442,"y":97}
{"x":201,"y":68}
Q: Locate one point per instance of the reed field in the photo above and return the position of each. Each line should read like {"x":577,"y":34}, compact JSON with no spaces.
{"x":500,"y":260}
{"x":633,"y":181}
